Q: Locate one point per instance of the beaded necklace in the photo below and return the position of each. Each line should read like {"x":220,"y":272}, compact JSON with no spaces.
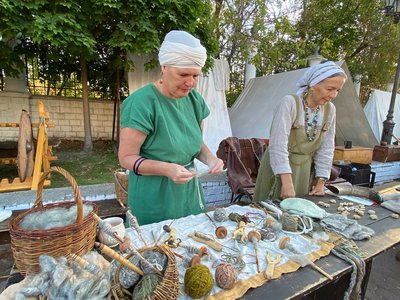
{"x":310,"y":124}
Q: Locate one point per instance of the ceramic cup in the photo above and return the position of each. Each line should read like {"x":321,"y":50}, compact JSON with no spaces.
{"x":118,"y":226}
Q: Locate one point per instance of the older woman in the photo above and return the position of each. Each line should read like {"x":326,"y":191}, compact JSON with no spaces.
{"x":302,"y":137}
{"x":161,"y":135}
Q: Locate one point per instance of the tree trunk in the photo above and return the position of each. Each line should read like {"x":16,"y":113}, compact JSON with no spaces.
{"x":88,"y":145}
{"x":118,"y":105}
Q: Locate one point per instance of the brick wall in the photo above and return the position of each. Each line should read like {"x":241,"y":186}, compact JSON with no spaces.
{"x":216,"y":192}
{"x":65,"y":113}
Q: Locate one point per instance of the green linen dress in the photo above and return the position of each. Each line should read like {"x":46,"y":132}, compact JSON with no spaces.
{"x":173,"y":129}
{"x":301,"y":151}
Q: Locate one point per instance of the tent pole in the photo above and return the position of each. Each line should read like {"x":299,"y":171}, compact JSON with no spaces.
{"x":388,"y":124}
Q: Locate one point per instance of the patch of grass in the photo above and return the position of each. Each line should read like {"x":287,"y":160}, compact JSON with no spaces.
{"x":86,"y":168}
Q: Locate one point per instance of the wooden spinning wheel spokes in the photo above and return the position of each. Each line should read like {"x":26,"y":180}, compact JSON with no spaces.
{"x":26,"y":149}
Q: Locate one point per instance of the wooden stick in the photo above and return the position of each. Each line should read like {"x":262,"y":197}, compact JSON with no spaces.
{"x":108,"y":229}
{"x":111,"y":253}
{"x":213,"y":244}
{"x":257,"y":260}
{"x":320,"y":270}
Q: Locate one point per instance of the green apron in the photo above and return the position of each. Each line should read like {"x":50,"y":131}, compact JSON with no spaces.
{"x":173,"y":129}
{"x":301,"y":151}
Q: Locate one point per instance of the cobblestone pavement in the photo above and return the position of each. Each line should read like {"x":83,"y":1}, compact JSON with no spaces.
{"x":384,"y":281}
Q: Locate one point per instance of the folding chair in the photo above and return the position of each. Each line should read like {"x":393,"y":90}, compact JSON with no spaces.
{"x":242,"y":158}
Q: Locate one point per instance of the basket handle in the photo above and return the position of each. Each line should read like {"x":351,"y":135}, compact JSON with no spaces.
{"x":68,"y":176}
{"x":118,"y":182}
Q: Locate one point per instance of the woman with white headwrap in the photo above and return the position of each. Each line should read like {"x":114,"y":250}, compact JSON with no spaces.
{"x":302,"y":137}
{"x":161,"y":135}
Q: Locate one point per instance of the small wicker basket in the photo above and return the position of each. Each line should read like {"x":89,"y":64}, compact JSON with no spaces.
{"x":77,"y":238}
{"x":168,"y":289}
{"x":121,"y":185}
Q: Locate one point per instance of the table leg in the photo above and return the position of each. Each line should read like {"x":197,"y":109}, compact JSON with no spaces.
{"x":364,"y":284}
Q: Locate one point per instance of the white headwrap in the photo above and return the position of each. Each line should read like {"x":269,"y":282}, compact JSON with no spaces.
{"x":182,"y":50}
{"x":317,"y":73}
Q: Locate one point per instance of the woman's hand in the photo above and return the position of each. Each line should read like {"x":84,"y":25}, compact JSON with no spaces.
{"x":179,"y":174}
{"x":216,"y":165}
{"x":318,"y":189}
{"x":287,"y":188}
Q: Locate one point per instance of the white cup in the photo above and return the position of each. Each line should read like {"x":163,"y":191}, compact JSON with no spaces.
{"x":118,"y":226}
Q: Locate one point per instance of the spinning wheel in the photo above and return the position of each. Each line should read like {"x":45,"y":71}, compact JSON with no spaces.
{"x":30,"y":162}
{"x":25,"y":147}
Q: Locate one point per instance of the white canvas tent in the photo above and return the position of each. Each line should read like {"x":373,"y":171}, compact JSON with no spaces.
{"x":252,"y":113}
{"x":377,"y":109}
{"x":211,"y":86}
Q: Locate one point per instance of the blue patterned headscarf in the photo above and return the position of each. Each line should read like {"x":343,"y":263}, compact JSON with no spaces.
{"x":317,"y":73}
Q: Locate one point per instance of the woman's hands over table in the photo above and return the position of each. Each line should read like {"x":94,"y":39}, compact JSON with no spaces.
{"x":179,"y":174}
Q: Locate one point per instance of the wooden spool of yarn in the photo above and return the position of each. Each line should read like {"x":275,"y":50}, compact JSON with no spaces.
{"x":198,"y":281}
{"x":221,"y":232}
{"x":225,"y":276}
{"x":254,"y":237}
{"x":283,"y":241}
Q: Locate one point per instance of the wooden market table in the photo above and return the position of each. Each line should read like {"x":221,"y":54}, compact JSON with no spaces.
{"x":306,"y":283}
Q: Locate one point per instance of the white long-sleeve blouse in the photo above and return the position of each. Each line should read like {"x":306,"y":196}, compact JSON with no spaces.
{"x":284,"y":118}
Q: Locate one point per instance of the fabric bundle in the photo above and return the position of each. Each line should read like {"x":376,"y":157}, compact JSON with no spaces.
{"x":334,"y":222}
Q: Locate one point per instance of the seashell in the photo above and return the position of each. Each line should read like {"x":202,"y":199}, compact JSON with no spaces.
{"x":333,"y":201}
{"x":395,"y":216}
{"x":373,"y":217}
{"x":356,"y":217}
{"x":340,"y":208}
{"x":371,"y":212}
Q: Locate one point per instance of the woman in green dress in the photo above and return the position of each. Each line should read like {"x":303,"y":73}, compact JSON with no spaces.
{"x":302,"y":137}
{"x":161,"y":136}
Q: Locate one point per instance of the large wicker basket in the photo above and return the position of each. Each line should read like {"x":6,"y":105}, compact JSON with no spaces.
{"x":77,"y":238}
{"x":121,"y":185}
{"x":168,"y":289}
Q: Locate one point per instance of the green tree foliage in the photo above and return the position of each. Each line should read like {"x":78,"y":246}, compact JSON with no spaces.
{"x":356,"y":31}
{"x":282,"y":34}
{"x":94,"y":35}
{"x":239,"y":24}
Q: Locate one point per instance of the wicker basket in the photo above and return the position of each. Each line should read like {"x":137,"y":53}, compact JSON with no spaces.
{"x":77,"y":238}
{"x":121,"y":185}
{"x":168,"y":289}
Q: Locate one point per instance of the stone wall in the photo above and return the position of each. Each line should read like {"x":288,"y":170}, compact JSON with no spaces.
{"x":65,"y":113}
